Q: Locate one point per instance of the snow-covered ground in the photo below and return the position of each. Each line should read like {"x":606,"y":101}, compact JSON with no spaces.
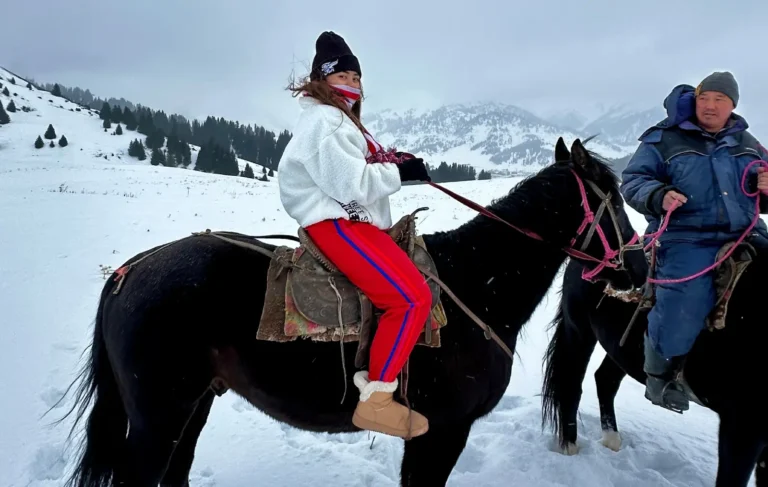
{"x":65,"y":213}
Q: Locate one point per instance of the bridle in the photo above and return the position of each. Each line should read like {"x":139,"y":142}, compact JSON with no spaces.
{"x":613,"y":259}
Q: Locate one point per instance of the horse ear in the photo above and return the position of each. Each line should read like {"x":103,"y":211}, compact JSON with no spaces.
{"x":579,"y":154}
{"x":561,"y":151}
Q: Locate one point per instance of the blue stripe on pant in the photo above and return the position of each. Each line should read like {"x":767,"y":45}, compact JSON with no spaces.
{"x":389,"y":279}
{"x":681,"y":309}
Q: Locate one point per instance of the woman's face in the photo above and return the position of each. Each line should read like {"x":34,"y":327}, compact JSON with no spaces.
{"x":348,"y":78}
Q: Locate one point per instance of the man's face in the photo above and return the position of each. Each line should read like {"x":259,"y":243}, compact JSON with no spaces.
{"x":713,"y":109}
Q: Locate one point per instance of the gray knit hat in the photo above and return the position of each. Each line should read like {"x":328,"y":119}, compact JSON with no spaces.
{"x":722,"y":82}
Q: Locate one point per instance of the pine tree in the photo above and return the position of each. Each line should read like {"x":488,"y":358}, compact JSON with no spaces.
{"x":106,"y":112}
{"x":50,"y":133}
{"x":6,"y":92}
{"x":136,"y":149}
{"x":156,"y":139}
{"x":484,"y":176}
{"x":271,"y":174}
{"x":4,"y":117}
{"x":142,"y":153}
{"x":13,"y":81}
{"x":63,"y":142}
{"x":51,"y":144}
{"x":39,"y":143}
{"x":119,"y":130}
{"x":157,"y":157}
{"x":146,"y":125}
{"x":263,"y":170}
{"x":129,"y":120}
{"x":56,"y":90}
{"x":248,"y":172}
{"x":170,"y":159}
{"x":107,"y":124}
{"x":12,"y":107}
{"x":116,"y":114}
{"x":227,"y":163}
{"x":29,"y":86}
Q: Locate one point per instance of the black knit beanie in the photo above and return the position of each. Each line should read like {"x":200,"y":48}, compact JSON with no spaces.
{"x":332,"y":55}
{"x":722,"y":82}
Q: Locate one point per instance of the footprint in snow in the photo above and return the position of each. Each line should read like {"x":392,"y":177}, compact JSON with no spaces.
{"x":510,"y":402}
{"x":51,"y":396}
{"x":203,"y":478}
{"x":241,"y":405}
{"x":48,"y":463}
{"x":66,"y":347}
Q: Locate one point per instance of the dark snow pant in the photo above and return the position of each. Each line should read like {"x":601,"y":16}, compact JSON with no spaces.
{"x":681,"y":309}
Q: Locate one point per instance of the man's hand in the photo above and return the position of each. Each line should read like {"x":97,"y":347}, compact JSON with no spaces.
{"x":762,"y":179}
{"x":673,"y":198}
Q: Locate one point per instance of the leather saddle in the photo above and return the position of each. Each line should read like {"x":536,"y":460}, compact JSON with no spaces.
{"x":311,"y":298}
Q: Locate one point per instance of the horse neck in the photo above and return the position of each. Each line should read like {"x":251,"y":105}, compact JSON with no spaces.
{"x":499,"y":273}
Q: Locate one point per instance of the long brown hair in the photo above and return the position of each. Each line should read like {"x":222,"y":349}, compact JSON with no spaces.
{"x":323,"y":92}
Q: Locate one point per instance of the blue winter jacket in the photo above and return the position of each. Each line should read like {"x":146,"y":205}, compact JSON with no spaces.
{"x":676,"y":154}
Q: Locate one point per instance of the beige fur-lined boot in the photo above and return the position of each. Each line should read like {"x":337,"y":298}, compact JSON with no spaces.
{"x":378,"y":411}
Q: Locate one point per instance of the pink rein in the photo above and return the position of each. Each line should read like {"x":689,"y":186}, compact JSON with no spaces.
{"x":589,"y":218}
{"x":655,"y":235}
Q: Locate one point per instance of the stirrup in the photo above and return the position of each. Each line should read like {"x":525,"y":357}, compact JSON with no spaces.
{"x":663,"y":401}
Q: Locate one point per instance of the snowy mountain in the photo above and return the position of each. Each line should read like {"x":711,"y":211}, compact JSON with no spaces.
{"x":571,"y":119}
{"x":623,"y":125}
{"x":68,"y":215}
{"x":492,"y":136}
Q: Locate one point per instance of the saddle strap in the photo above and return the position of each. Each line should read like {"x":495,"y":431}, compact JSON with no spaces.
{"x":489,"y":333}
{"x":262,"y":251}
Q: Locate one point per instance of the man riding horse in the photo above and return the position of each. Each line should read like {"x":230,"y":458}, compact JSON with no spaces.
{"x":694,"y":160}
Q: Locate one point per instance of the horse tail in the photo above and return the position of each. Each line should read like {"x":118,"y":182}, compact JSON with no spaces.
{"x":108,"y":422}
{"x":556,"y":374}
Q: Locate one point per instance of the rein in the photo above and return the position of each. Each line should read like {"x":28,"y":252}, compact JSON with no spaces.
{"x":613,"y":259}
{"x":656,"y":235}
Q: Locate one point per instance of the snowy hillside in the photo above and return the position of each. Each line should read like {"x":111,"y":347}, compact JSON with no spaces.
{"x":66,"y":213}
{"x":86,"y":137}
{"x":492,"y":136}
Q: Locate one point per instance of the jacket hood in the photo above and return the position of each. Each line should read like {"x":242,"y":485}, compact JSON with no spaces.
{"x":680,"y":105}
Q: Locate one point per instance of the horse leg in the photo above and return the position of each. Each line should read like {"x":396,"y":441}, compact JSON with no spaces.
{"x":429,"y":459}
{"x":155,"y":427}
{"x":177,"y":474}
{"x":761,"y":471}
{"x":608,"y":378}
{"x":738,"y":450}
{"x":567,"y":360}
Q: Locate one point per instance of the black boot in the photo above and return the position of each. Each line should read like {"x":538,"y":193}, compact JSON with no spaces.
{"x":660,"y":387}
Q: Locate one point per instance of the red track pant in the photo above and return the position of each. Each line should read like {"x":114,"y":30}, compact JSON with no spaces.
{"x":383,"y":272}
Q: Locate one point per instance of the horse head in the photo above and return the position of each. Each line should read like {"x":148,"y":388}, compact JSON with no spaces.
{"x":605,"y":241}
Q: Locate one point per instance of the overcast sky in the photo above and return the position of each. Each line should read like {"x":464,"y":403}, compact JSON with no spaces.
{"x":233,"y":58}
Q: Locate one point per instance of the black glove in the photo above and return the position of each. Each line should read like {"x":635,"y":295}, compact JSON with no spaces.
{"x":413,"y":170}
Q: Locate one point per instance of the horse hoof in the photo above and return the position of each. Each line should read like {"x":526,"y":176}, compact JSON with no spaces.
{"x":571,"y":449}
{"x":612,"y":440}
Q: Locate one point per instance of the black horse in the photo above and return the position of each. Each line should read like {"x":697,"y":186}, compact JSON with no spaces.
{"x":187,"y":316}
{"x":724,"y":370}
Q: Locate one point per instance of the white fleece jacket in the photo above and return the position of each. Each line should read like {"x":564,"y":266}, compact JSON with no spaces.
{"x":323,"y":173}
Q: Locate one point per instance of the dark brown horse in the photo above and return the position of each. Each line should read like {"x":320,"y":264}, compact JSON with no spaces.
{"x":188,"y":314}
